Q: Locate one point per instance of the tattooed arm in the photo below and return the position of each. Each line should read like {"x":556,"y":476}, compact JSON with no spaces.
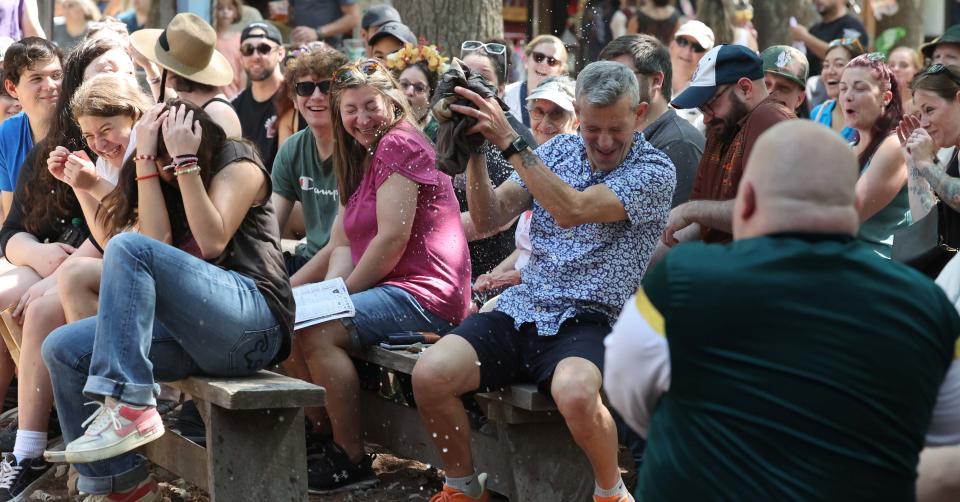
{"x":946,"y":187}
{"x":920,"y":193}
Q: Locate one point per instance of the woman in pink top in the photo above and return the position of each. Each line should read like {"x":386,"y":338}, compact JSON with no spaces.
{"x":398,"y":244}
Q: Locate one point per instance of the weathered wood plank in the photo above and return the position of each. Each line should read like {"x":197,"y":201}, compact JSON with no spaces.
{"x":261,"y":391}
{"x":523,"y":396}
{"x":256,"y":455}
{"x":397,"y":360}
{"x":180,"y":456}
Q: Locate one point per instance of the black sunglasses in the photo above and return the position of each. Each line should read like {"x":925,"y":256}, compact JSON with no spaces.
{"x":539,"y":57}
{"x":305,"y":89}
{"x":684,"y":43}
{"x":249,"y":49}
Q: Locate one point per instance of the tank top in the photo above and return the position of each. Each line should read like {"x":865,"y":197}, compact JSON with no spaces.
{"x":254,"y":250}
{"x":662,"y":29}
{"x":877,"y":231}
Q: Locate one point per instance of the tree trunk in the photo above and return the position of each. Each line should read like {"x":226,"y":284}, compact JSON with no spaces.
{"x":160,"y":14}
{"x":448,"y":23}
{"x":772,"y":19}
{"x":909,"y":17}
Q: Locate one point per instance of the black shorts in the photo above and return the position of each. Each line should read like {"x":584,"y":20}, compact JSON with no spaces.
{"x":509,"y":356}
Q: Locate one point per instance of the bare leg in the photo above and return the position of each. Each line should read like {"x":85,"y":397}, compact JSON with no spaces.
{"x":444,"y":373}
{"x":12,"y":286}
{"x":296,"y":367}
{"x":34,"y":394}
{"x":79,"y":286}
{"x":576,"y":390}
{"x":325,"y":347}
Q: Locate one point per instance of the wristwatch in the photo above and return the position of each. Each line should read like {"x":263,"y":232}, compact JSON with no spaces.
{"x":516,"y":146}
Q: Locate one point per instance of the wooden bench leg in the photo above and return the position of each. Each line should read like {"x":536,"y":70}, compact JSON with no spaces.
{"x":544,"y":467}
{"x":256,"y":454}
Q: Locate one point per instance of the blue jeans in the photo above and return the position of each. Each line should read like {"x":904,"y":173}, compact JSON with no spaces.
{"x":163,"y":314}
{"x":387,"y":309}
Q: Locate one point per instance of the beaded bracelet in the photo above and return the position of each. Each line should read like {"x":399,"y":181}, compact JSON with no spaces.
{"x":138,"y":157}
{"x":186,"y":170}
{"x":148,"y":176}
{"x":181,"y":159}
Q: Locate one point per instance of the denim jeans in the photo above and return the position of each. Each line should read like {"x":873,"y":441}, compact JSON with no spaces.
{"x":163,"y":315}
{"x":383,"y":310}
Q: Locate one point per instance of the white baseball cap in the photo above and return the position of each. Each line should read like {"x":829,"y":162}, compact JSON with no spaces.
{"x":556,"y":89}
{"x":697,"y":31}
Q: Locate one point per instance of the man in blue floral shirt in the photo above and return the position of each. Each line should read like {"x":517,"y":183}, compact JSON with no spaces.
{"x":600,"y":201}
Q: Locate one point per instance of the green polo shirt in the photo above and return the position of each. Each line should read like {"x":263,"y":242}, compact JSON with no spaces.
{"x":804,"y":367}
{"x":299,"y":174}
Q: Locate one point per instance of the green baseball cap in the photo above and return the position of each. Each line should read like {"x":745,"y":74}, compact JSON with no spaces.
{"x":787,"y":62}
{"x":951,"y":36}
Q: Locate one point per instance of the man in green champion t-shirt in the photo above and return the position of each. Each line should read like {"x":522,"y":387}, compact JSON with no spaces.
{"x":800,"y":366}
{"x":303,"y":169}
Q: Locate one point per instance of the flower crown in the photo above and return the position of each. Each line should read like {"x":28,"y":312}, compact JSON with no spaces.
{"x":411,"y":54}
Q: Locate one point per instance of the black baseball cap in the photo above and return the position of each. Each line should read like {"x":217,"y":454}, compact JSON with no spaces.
{"x":259,"y":29}
{"x":396,"y":30}
{"x":378,"y":15}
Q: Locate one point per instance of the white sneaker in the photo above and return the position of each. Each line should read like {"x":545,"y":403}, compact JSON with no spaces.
{"x":114,"y":429}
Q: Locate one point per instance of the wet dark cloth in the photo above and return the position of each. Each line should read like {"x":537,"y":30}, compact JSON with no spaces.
{"x":489,"y":252}
{"x":254,"y":251}
{"x":53,"y":226}
{"x":453,"y":144}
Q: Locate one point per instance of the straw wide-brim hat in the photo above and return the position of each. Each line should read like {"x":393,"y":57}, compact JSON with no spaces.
{"x":187,"y":48}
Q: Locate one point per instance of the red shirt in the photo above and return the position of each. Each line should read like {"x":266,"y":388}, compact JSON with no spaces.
{"x":722,"y":164}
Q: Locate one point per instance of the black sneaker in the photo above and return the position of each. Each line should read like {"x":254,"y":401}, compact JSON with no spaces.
{"x":17,"y":480}
{"x":189,"y":423}
{"x":333,"y":471}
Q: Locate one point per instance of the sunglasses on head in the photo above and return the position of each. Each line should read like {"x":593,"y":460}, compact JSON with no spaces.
{"x":936,"y":69}
{"x":474,"y":46}
{"x":360,"y":70}
{"x":852,"y":44}
{"x":305,"y":89}
{"x":249,"y":49}
{"x":684,"y":43}
{"x":539,"y":57}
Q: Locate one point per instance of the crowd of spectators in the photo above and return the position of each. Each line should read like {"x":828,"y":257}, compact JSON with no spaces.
{"x":719,"y":254}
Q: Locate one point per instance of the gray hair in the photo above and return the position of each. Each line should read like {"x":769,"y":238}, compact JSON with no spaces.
{"x":603,"y":83}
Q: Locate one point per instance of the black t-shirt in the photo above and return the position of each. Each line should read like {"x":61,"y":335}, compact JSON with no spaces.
{"x":950,"y":219}
{"x":256,"y":121}
{"x":847,"y":26}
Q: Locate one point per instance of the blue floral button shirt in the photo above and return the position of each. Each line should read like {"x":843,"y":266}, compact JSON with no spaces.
{"x":595,"y":267}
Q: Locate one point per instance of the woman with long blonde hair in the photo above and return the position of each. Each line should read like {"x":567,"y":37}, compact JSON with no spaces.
{"x":399,"y":248}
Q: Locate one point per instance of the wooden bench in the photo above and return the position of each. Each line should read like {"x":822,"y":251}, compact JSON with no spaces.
{"x":256,"y":449}
{"x":525,"y":448}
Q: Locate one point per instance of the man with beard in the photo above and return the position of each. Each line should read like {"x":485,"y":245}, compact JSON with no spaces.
{"x":728,"y":89}
{"x":261,"y":49}
{"x":835,"y":22}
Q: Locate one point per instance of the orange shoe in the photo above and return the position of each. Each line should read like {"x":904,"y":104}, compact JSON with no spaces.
{"x":453,"y":495}
{"x":615,"y":498}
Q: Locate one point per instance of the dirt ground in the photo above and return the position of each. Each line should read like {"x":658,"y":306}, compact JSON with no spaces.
{"x":401,"y":480}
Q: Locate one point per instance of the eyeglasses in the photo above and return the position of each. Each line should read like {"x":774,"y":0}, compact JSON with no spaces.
{"x":417,"y":88}
{"x":474,"y":46}
{"x":708,"y":106}
{"x":539,"y":57}
{"x":263,"y":49}
{"x":305,"y":89}
{"x":360,"y":70}
{"x":556,"y":115}
{"x":684,"y":43}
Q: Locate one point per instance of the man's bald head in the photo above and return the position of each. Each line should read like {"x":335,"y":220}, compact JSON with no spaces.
{"x":800,"y":177}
